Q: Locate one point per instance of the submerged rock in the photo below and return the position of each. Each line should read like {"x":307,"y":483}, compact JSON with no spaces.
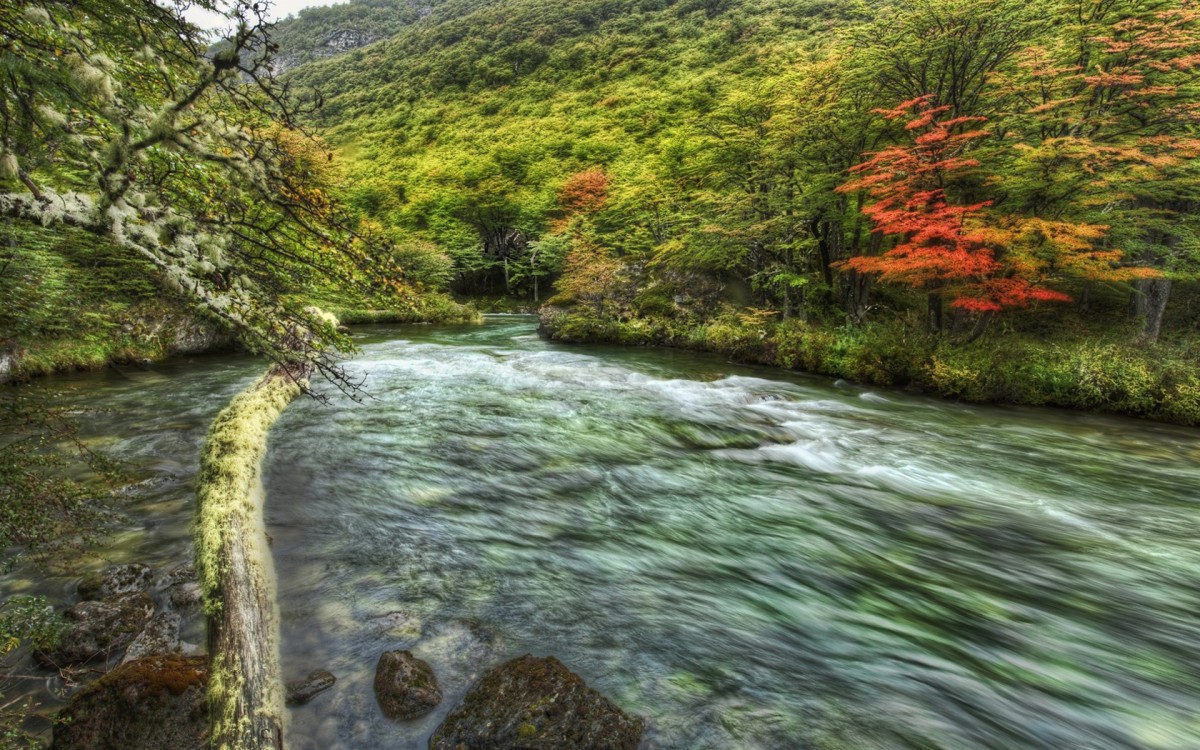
{"x":160,"y":636}
{"x":302,"y":691}
{"x":156,"y":703}
{"x":184,"y":595}
{"x":405,"y":686}
{"x":119,"y":579}
{"x":96,"y":629}
{"x":533,"y":703}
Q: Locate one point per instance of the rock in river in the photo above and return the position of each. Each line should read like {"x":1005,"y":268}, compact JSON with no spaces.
{"x":405,"y":686}
{"x":96,"y":629}
{"x":119,"y":579}
{"x":156,"y":703}
{"x":535,"y":703}
{"x":302,"y":691}
{"x":161,"y":636}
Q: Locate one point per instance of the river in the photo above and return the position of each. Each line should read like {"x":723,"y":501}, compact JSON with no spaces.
{"x":746,"y":557}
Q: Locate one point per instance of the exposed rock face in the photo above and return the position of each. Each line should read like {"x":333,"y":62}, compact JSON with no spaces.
{"x":8,"y":363}
{"x":98,"y":628}
{"x":405,"y":686}
{"x":161,"y":636}
{"x":344,"y":40}
{"x":119,"y":579}
{"x":188,"y":335}
{"x":534,"y":703}
{"x":302,"y":691}
{"x":156,"y":703}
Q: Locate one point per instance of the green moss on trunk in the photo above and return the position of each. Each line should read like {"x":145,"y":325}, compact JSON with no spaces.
{"x":236,"y":573}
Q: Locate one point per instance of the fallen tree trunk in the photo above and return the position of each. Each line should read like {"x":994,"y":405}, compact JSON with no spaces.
{"x":245,"y":690}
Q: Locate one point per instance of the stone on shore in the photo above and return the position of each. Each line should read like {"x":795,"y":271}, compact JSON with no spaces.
{"x":155,"y":703}
{"x":160,"y":636}
{"x":98,"y":628}
{"x":119,"y":579}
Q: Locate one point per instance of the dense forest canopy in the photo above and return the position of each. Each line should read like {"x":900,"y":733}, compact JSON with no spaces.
{"x":759,"y":146}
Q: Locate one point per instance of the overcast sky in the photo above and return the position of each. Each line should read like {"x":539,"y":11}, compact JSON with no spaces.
{"x":279,"y":9}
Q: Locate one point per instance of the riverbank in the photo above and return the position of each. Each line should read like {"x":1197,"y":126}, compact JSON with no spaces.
{"x":75,"y":301}
{"x":1159,"y":382}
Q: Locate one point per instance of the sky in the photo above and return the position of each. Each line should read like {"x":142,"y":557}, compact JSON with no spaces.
{"x":279,"y":9}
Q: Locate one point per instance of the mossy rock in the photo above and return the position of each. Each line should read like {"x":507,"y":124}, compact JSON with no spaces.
{"x":405,"y":686}
{"x":97,"y":629}
{"x":156,"y":703}
{"x":119,"y":579}
{"x":299,"y":692}
{"x":533,"y":703}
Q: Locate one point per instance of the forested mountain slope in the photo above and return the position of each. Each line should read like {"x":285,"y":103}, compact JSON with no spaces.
{"x":917,"y":174}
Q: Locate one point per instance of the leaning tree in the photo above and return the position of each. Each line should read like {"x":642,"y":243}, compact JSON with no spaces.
{"x":119,"y":118}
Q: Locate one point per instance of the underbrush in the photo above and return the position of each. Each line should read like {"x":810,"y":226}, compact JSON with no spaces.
{"x":1078,"y":369}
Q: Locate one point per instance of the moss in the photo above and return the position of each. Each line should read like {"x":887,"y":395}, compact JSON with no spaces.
{"x":155,"y":703}
{"x":230,"y":498}
{"x":1082,"y":370}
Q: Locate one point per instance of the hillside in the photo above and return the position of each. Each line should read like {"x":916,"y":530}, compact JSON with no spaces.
{"x":461,"y":129}
{"x":669,"y":167}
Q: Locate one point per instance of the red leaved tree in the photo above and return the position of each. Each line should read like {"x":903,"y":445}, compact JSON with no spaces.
{"x":980,"y":258}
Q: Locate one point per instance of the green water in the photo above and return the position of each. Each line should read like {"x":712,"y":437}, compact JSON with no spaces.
{"x":747,"y":558}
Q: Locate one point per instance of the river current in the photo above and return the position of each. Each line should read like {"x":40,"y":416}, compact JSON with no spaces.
{"x":750,"y":559}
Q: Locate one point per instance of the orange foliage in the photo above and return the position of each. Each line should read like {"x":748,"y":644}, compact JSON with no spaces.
{"x":984,"y":260}
{"x":584,"y":192}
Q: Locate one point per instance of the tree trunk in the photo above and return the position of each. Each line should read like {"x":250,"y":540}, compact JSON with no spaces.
{"x":245,"y":692}
{"x":1154,"y":294}
{"x":934,"y":318}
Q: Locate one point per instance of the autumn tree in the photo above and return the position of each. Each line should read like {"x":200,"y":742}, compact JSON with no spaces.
{"x":1106,"y":115}
{"x":950,"y":247}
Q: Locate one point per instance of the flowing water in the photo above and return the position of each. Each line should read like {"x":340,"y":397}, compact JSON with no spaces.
{"x":747,"y":558}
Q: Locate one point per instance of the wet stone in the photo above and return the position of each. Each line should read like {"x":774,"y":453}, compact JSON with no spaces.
{"x":533,"y":703}
{"x":180,"y":574}
{"x":98,"y":628}
{"x":303,"y":690}
{"x":156,"y":703}
{"x":119,"y":579}
{"x":405,"y":686}
{"x":184,"y":595}
{"x":161,"y":636}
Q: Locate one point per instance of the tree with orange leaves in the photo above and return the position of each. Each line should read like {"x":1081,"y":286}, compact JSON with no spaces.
{"x":1107,"y":117}
{"x":945,"y":246}
{"x":984,"y":257}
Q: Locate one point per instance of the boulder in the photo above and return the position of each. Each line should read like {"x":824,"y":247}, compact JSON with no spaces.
{"x":302,"y":691}
{"x":156,"y":703}
{"x":178,"y":574}
{"x":184,"y":595}
{"x":533,"y":703}
{"x":119,"y":579}
{"x":96,"y":629}
{"x":405,"y":686}
{"x":160,"y":636}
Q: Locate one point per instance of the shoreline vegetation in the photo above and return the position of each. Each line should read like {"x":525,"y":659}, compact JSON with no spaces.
{"x":1085,"y":372}
{"x":74,"y":301}
{"x":1082,"y":372}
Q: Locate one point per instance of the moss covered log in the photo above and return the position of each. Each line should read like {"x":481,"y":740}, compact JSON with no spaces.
{"x":245,"y":695}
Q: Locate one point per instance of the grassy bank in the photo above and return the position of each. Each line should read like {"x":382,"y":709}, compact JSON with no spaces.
{"x":75,"y":301}
{"x":1080,"y":371}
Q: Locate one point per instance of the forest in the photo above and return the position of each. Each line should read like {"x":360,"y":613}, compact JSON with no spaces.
{"x":916,"y":193}
{"x":903,"y":208}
